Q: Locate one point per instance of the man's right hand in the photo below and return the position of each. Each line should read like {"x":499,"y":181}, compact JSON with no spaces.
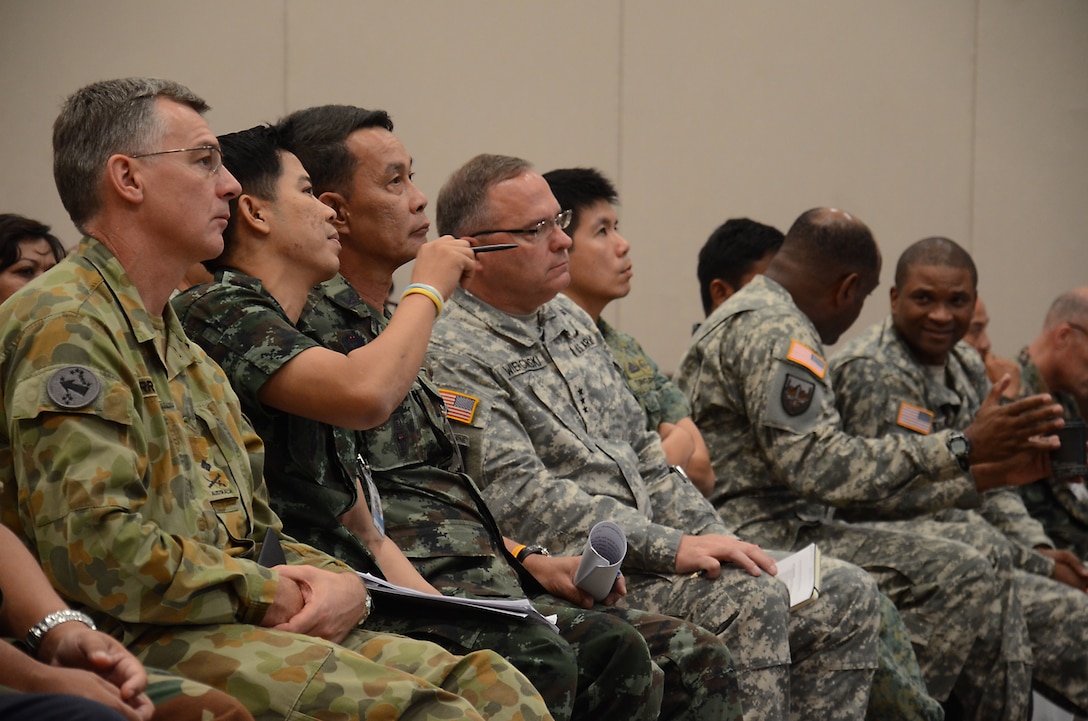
{"x":444,"y":263}
{"x":77,"y":682}
{"x":332,"y":603}
{"x":998,"y":367}
{"x":998,"y":431}
{"x":706,"y":554}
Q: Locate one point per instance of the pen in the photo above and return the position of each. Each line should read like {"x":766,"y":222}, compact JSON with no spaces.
{"x":490,"y":248}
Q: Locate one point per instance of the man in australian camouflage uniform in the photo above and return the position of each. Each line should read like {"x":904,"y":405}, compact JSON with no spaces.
{"x":127,"y":466}
{"x":756,"y":378}
{"x":432,"y":508}
{"x":1057,"y":362}
{"x":912,"y":375}
{"x":600,"y":273}
{"x":554,"y":438}
{"x":245,"y":320}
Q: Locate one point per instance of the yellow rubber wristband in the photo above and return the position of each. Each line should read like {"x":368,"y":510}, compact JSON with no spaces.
{"x":426,"y":291}
{"x":517,"y":549}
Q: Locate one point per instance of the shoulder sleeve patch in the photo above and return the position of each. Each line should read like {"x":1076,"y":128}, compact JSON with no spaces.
{"x":805,"y":357}
{"x":914,"y":418}
{"x":459,"y":406}
{"x":73,"y":387}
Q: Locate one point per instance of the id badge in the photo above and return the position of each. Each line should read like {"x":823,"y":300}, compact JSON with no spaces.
{"x":375,"y":500}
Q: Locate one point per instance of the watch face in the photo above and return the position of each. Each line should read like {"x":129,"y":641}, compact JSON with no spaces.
{"x":958,"y":444}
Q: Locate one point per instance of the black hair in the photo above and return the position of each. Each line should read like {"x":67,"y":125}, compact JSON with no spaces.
{"x":14,"y":229}
{"x":934,"y":251}
{"x":578,"y":188}
{"x":318,"y":136}
{"x":730,"y":252}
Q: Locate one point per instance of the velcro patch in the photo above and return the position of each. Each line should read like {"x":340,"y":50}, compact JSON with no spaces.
{"x":796,"y":395}
{"x":459,"y":406}
{"x":73,"y":387}
{"x":914,"y":418}
{"x":805,"y":357}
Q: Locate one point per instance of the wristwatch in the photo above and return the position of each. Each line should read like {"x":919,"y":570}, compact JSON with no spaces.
{"x":678,"y":470}
{"x":526,"y":551}
{"x":35,"y":635}
{"x":960,"y":447}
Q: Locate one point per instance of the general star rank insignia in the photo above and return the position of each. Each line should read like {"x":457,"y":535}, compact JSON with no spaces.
{"x":73,"y":387}
{"x":796,"y":395}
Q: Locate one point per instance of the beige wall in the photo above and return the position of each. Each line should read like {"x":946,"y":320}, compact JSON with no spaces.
{"x":954,"y":117}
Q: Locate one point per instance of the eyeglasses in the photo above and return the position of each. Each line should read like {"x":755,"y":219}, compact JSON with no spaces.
{"x":538,"y":231}
{"x":211,"y":158}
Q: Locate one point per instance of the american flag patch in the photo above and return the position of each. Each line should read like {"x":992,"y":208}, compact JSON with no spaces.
{"x":805,"y":357}
{"x":914,"y":418}
{"x":459,"y":407}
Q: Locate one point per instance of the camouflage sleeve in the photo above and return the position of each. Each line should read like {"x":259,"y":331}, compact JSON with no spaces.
{"x":788,"y":395}
{"x":526,"y":498}
{"x":244,"y":330}
{"x":1005,"y":510}
{"x":98,"y":499}
{"x":659,"y":397}
{"x":670,"y":403}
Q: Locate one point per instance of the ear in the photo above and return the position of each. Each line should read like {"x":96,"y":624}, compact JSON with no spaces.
{"x":253,"y":214}
{"x":340,"y":206}
{"x":720,"y":291}
{"x":1061,"y":336}
{"x":893,"y":294}
{"x":846,"y":290}
{"x":123,"y":175}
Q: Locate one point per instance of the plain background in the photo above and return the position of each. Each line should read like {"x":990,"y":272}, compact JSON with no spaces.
{"x":964,"y":118}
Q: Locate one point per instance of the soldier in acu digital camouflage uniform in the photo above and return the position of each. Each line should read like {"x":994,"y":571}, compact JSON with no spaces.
{"x":912,"y":375}
{"x":756,"y":376}
{"x":555,"y":439}
{"x":127,"y":467}
{"x":600,"y":272}
{"x":272,"y":257}
{"x":1057,"y":362}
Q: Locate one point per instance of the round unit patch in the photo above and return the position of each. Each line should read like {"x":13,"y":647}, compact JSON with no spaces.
{"x":73,"y":387}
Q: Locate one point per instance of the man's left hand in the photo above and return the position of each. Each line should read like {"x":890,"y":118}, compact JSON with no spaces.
{"x":332,"y":603}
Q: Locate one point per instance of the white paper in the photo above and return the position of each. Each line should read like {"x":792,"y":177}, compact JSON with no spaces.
{"x":799,"y":572}
{"x":599,"y":568}
{"x":517,"y":607}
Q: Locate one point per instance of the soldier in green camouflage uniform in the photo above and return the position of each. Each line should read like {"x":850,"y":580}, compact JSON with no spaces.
{"x":888,"y":370}
{"x":755,"y":374}
{"x":555,"y":440}
{"x":127,"y":467}
{"x":1061,"y":505}
{"x":243,"y":325}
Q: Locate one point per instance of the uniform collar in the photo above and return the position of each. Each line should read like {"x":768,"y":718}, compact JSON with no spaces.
{"x":179,"y":351}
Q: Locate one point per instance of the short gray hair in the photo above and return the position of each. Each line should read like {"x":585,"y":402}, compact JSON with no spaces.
{"x":462,"y":201}
{"x":100,"y":120}
{"x":1069,"y":307}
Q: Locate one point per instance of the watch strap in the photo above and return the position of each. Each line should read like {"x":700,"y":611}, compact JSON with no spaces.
{"x":34,"y":637}
{"x":523,"y":552}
